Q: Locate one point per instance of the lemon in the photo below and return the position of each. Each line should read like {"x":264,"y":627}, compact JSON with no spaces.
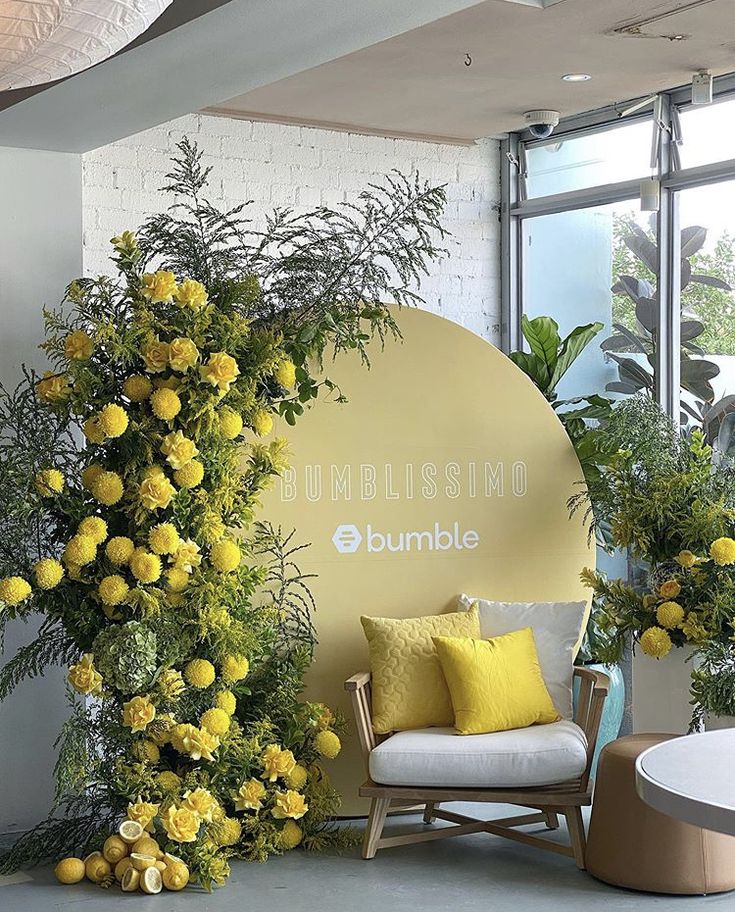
{"x":130,"y":881}
{"x":96,"y":867}
{"x":161,"y":865}
{"x":151,"y":881}
{"x":141,"y":862}
{"x":176,"y":875}
{"x":114,"y":849}
{"x":70,"y":870}
{"x":146,"y":845}
{"x":130,"y":831}
{"x":121,"y":867}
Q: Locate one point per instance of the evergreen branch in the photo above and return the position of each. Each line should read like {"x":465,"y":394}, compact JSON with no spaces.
{"x":51,"y":647}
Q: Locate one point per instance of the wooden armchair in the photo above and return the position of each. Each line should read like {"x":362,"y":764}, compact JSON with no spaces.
{"x":548,"y":801}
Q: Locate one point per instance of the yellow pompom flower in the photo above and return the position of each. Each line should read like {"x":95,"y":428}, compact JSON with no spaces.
{"x":201,"y":802}
{"x":119,"y":550}
{"x":155,"y":355}
{"x":165,"y":404}
{"x":262,"y":423}
{"x":227,"y":831}
{"x":168,"y":782}
{"x":250,"y":795}
{"x":146,"y":752}
{"x":181,"y":824}
{"x":235,"y":668}
{"x":93,"y":430}
{"x":212,"y":527}
{"x":285,"y":373}
{"x":48,"y":573}
{"x":178,"y":449}
{"x":94,"y":527}
{"x":14,"y":590}
{"x":144,"y":812}
{"x":159,"y":287}
{"x":113,"y":590}
{"x":226,"y":701}
{"x":225,"y":556}
{"x":144,"y":566}
{"x":220,"y":370}
{"x":177,"y":579}
{"x":189,"y":475}
{"x":291,"y":835}
{"x":199,"y":673}
{"x":686,"y":559}
{"x":164,"y":539}
{"x":276,"y":762}
{"x":230,"y":424}
{"x":216,"y":721}
{"x":655,"y":642}
{"x":53,"y":387}
{"x":91,"y":474}
{"x":49,"y":482}
{"x":669,"y":614}
{"x":138,"y":713}
{"x":327,"y":743}
{"x":722,"y":551}
{"x":84,"y":677}
{"x":113,"y":420}
{"x":669,"y":589}
{"x":289,"y":804}
{"x":137,"y":388}
{"x":191,"y":294}
{"x":155,"y":490}
{"x":78,"y":346}
{"x":183,"y":355}
{"x":297,"y":778}
{"x":80,"y":550}
{"x":108,"y":488}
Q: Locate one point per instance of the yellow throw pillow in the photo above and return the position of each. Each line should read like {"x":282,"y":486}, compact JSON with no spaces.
{"x":409,"y":690}
{"x":495,"y":684}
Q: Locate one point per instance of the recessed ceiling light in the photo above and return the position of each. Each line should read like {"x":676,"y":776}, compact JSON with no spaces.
{"x":576,"y":77}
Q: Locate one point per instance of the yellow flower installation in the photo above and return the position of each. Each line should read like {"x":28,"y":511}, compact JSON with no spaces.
{"x":143,"y":812}
{"x":201,"y":802}
{"x":156,"y":491}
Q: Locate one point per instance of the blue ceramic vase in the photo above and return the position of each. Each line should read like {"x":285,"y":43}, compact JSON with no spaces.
{"x":612,"y":713}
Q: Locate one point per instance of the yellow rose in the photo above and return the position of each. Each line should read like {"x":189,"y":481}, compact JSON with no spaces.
{"x":53,"y":387}
{"x":155,"y":355}
{"x":143,"y":813}
{"x":78,"y":346}
{"x":159,"y":287}
{"x":188,"y":556}
{"x":182,"y":355}
{"x":220,"y":370}
{"x":191,"y":294}
{"x":138,"y":713}
{"x":289,"y":804}
{"x":181,"y":824}
{"x":198,"y":743}
{"x":156,"y":491}
{"x":669,"y":589}
{"x":250,"y":795}
{"x":84,"y":677}
{"x":200,"y":802}
{"x":276,"y":762}
{"x":178,"y":449}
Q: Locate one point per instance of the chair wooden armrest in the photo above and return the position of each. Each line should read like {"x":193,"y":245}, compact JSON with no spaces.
{"x":358,"y":687}
{"x":593,"y":690}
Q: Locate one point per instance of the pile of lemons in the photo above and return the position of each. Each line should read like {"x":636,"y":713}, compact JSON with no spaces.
{"x":132,"y":858}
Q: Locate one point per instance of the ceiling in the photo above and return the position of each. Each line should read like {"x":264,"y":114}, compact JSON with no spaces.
{"x":418,"y":84}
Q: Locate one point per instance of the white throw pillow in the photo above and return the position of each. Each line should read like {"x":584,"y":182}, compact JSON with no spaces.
{"x":556,"y":628}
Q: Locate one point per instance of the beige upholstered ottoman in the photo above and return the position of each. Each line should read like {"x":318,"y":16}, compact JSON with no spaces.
{"x":631,"y":845}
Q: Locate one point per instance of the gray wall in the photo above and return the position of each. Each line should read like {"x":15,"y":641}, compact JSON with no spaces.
{"x":40,"y":252}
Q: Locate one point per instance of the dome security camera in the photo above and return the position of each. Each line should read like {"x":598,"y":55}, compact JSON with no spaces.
{"x":541,"y":124}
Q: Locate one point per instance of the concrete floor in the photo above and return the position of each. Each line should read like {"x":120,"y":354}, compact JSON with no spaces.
{"x":467,"y":874}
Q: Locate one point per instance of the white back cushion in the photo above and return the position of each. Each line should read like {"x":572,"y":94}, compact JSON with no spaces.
{"x":556,"y":628}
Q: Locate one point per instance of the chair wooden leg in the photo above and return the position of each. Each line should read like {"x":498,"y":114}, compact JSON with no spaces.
{"x":429,"y":812}
{"x":575,"y":825}
{"x":376,"y":819}
{"x":552,"y":819}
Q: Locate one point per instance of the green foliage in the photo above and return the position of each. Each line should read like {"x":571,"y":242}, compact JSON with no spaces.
{"x":713,"y":683}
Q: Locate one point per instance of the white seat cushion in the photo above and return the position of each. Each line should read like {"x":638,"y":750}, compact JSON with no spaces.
{"x":438,"y":757}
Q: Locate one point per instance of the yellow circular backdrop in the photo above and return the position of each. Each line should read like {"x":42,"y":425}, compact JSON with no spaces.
{"x":446,"y":472}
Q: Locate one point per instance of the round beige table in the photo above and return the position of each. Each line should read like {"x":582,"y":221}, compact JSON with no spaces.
{"x":691,"y":779}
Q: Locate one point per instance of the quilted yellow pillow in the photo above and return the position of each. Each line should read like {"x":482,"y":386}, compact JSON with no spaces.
{"x":409,"y":690}
{"x":495,"y":684}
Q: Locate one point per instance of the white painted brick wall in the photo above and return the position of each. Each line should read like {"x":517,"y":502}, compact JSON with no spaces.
{"x":280,"y":165}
